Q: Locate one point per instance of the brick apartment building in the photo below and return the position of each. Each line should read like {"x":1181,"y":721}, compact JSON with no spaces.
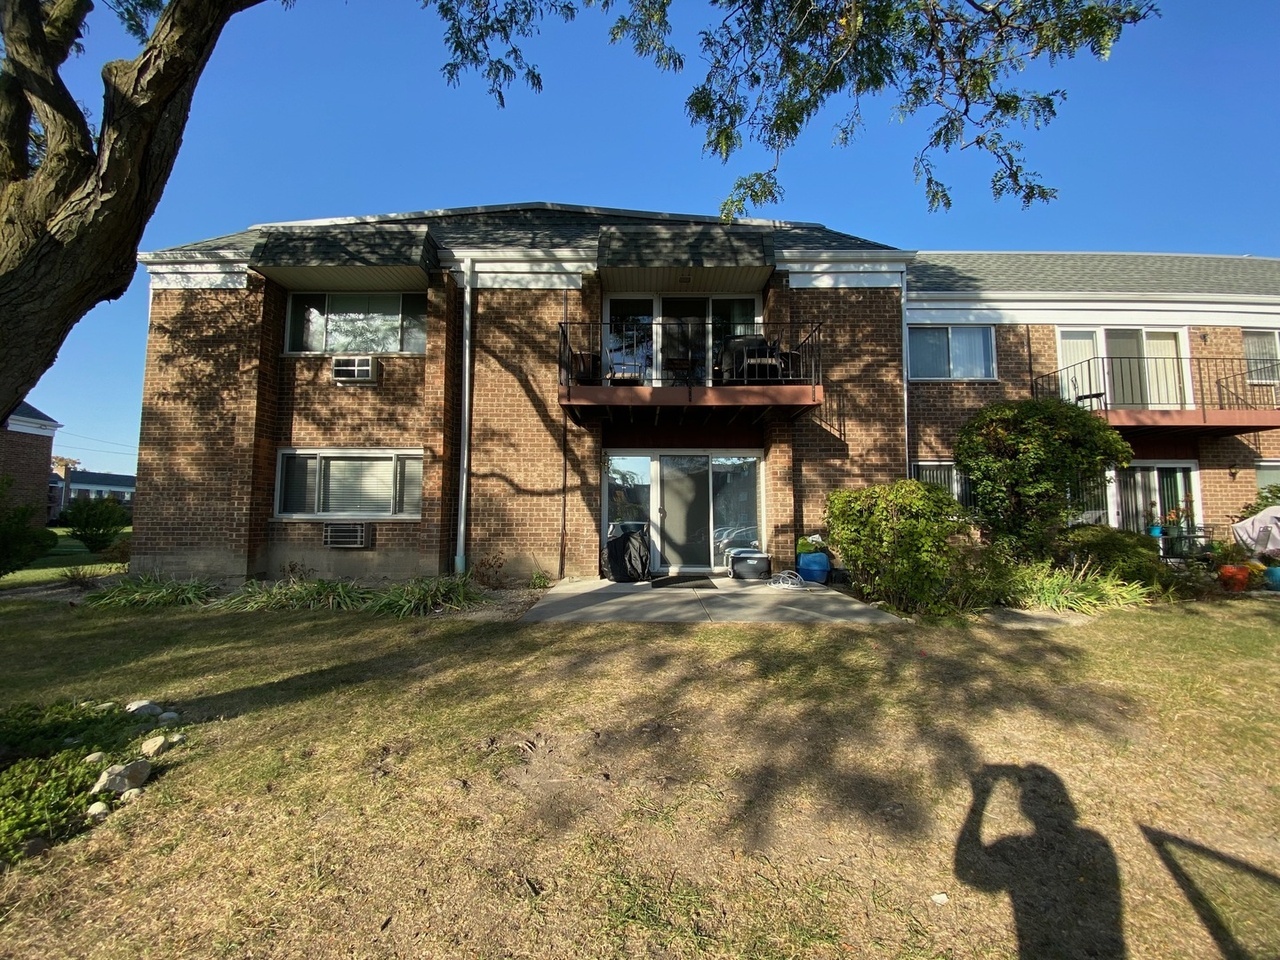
{"x":511,"y":385}
{"x":26,"y":450}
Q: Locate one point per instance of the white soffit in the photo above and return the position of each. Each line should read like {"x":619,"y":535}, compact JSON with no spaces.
{"x":1092,"y":310}
{"x":199,"y":275}
{"x":337,"y":279}
{"x":39,"y":428}
{"x":845,"y":271}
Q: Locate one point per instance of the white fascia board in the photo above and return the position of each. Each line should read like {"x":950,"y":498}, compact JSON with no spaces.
{"x":204,"y":273}
{"x":1093,"y":310}
{"x":39,"y":428}
{"x":844,"y":270}
{"x":526,"y":270}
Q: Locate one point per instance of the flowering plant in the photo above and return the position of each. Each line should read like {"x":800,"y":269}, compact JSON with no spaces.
{"x":1152,"y":516}
{"x":1174,"y":516}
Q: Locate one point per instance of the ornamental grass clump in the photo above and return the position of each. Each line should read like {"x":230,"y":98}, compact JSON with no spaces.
{"x":153,"y":591}
{"x":299,"y":595}
{"x":1077,"y":589}
{"x":424,"y":595}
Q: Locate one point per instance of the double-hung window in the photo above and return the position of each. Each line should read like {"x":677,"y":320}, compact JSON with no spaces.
{"x":951,"y":353}
{"x":1262,"y":355}
{"x":357,"y":323}
{"x":365,"y":484}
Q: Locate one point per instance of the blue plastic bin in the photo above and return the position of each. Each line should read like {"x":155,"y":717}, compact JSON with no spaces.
{"x":814,"y":567}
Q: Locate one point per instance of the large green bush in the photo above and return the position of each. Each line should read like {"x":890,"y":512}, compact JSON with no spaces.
{"x":95,"y":523}
{"x":21,"y":541}
{"x":1268,"y":496}
{"x":1032,"y":465}
{"x":901,"y":543}
{"x":1127,"y":554}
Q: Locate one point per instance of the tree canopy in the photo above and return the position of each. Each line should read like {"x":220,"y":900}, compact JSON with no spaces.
{"x":74,"y":201}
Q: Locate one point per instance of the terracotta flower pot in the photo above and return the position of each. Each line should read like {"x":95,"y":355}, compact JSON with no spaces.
{"x":1233,"y":577}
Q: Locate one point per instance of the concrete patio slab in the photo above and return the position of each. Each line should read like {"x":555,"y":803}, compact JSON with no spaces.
{"x":719,"y":600}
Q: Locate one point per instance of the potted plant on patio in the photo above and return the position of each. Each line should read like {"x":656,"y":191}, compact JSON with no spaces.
{"x":1233,"y":570}
{"x":1270,"y":560}
{"x":1152,"y":519}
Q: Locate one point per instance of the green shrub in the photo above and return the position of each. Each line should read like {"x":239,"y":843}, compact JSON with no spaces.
{"x":1268,"y":496}
{"x":20,"y":540}
{"x":119,"y":551}
{"x":1032,"y":465}
{"x":901,"y":543}
{"x":95,"y":523}
{"x":44,"y":781}
{"x":1129,"y":555}
{"x":425,"y":595}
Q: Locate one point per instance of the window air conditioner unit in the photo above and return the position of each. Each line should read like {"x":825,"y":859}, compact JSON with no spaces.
{"x":346,"y":536}
{"x":355,"y":370}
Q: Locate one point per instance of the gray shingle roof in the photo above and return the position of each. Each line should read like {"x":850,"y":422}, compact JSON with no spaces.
{"x":685,"y":245}
{"x":91,"y":478}
{"x":359,"y":245}
{"x":28,"y":412}
{"x":1103,"y":273}
{"x":537,"y":226}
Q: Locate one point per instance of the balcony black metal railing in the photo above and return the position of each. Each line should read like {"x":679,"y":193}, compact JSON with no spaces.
{"x":667,"y":353}
{"x":1166,"y":383}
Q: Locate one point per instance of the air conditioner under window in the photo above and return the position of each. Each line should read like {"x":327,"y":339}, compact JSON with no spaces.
{"x":347,"y":536}
{"x":355,"y":370}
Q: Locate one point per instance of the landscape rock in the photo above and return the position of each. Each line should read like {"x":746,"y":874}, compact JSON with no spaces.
{"x":144,"y":708}
{"x":104,"y":707}
{"x":168,"y":718}
{"x":177,"y":738}
{"x":131,"y":795}
{"x":118,"y":778}
{"x":98,"y":811}
{"x":154,"y":747}
{"x":940,"y":898}
{"x":35,"y":846}
{"x":96,"y":757}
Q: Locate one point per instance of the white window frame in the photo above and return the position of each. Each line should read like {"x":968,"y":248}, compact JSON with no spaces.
{"x":327,"y":351}
{"x":1266,"y":465}
{"x":397,"y":455}
{"x":991,"y":334}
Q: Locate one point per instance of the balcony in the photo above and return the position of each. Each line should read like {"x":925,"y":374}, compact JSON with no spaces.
{"x":1218,"y":396}
{"x":686,"y":371}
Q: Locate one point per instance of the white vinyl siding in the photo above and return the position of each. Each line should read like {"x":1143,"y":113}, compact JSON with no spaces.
{"x":349,"y":484}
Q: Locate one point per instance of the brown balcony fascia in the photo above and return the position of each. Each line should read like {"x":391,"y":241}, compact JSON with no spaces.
{"x":596,"y":402}
{"x":1206,"y":422}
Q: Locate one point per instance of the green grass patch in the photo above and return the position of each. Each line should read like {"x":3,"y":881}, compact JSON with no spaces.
{"x":51,"y":569}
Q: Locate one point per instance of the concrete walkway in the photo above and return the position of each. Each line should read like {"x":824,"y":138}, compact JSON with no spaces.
{"x":718,"y":600}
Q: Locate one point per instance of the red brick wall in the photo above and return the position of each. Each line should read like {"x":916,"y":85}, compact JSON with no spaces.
{"x":532,"y":470}
{"x":27,"y":457}
{"x":857,"y":436}
{"x":939,"y":409}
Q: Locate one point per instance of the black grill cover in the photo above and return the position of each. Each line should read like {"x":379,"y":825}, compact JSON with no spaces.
{"x":625,"y":558}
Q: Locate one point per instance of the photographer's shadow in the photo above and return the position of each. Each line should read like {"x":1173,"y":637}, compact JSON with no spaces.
{"x":1063,"y":879}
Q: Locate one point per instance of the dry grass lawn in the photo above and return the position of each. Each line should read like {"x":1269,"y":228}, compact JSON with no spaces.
{"x":355,"y":787}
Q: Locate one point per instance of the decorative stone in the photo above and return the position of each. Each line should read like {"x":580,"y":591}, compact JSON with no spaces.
{"x":98,"y":811}
{"x":177,"y":738}
{"x":118,"y":779}
{"x":35,"y":846}
{"x":940,"y":898}
{"x":131,"y":795}
{"x":168,"y":718}
{"x":154,"y":747}
{"x":104,"y":707}
{"x":144,"y":708}
{"x":96,"y":757}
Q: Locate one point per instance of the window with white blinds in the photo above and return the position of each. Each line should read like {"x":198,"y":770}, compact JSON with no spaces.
{"x":951,"y":353}
{"x":350,"y":483}
{"x":1262,"y":356}
{"x":945,"y":475}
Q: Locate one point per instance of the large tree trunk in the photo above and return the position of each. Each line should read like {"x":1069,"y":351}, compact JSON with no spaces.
{"x":70,"y":226}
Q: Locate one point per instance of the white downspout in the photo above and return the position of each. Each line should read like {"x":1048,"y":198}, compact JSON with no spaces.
{"x":906,"y":399}
{"x":464,"y":466}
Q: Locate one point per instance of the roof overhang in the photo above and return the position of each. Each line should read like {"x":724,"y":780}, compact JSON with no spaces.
{"x":694,"y":257}
{"x":354,"y":257}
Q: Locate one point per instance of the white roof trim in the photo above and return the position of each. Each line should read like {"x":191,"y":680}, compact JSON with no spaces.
{"x":39,"y":428}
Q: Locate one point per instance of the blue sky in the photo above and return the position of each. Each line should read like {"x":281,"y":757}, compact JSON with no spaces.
{"x":334,"y":109}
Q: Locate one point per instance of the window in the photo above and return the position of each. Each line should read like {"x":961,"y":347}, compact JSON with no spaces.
{"x":357,"y":323}
{"x":951,"y":353}
{"x":1261,"y":356}
{"x":945,"y":475}
{"x":1268,"y":472}
{"x":349,"y":483}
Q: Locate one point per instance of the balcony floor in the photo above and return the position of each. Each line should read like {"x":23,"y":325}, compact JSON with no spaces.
{"x":637,"y":403}
{"x":1222,"y":423}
